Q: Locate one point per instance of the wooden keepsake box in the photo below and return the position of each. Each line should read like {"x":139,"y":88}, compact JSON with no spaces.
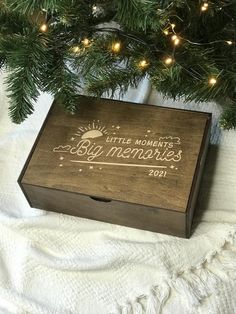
{"x":123,"y":163}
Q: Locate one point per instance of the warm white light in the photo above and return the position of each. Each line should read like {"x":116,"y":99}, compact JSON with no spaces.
{"x":43,"y":27}
{"x":143,"y":64}
{"x":86,"y":42}
{"x":212,"y":81}
{"x":168,"y":60}
{"x":166,"y":32}
{"x":204,"y":7}
{"x":76,"y":49}
{"x":175,"y":40}
{"x":172,"y":25}
{"x":229,"y":42}
{"x":116,"y":47}
{"x":94,"y":8}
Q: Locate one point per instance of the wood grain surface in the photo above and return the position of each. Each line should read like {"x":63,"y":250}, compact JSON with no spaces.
{"x":115,"y":152}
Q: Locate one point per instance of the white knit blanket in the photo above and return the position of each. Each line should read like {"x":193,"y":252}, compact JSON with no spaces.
{"x":53,"y":263}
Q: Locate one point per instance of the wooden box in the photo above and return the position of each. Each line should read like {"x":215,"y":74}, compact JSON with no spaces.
{"x":118,"y":162}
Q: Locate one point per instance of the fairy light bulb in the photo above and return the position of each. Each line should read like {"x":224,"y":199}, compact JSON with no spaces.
{"x":204,"y":7}
{"x":212,"y":81}
{"x":168,"y":61}
{"x":173,"y":25}
{"x":116,"y":47}
{"x":175,"y":40}
{"x":76,"y":49}
{"x":94,"y":8}
{"x":86,"y":42}
{"x":229,"y":42}
{"x":166,"y":32}
{"x":43,"y":28}
{"x":143,"y":64}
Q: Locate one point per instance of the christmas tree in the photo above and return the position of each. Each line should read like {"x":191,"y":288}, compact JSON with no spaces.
{"x":186,"y":49}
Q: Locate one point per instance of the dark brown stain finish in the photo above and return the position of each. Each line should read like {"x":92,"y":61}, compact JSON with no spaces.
{"x":118,"y":162}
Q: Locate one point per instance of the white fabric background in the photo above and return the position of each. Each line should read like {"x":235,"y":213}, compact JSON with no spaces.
{"x":53,"y":263}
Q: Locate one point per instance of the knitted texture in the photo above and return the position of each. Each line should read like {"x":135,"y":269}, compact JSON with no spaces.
{"x":53,"y":263}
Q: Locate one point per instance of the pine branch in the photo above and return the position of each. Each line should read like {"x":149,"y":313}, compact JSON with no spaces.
{"x":24,"y":57}
{"x":22,"y":91}
{"x":2,"y":61}
{"x":228,"y":118}
{"x":58,"y":61}
{"x":112,"y":81}
{"x":12,"y":23}
{"x":146,"y":11}
{"x":60,"y":81}
{"x":31,"y":6}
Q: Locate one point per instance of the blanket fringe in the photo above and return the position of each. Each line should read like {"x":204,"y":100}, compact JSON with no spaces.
{"x":163,"y":294}
{"x":197,"y":283}
{"x":228,"y":259}
{"x":153,"y":304}
{"x":185,"y":288}
{"x":127,"y":309}
{"x":137,"y":308}
{"x":209,"y":279}
{"x":193,"y":284}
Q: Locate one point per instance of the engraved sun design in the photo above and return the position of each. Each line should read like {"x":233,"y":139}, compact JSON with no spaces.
{"x":92,"y":130}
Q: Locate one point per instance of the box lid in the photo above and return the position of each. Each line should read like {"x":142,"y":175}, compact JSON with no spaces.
{"x":122,"y":151}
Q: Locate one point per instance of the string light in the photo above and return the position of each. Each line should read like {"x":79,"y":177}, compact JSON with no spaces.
{"x":229,"y":42}
{"x":94,"y":8}
{"x":43,"y":28}
{"x":204,"y":7}
{"x":86,"y":42}
{"x":76,"y":49}
{"x":116,"y":47}
{"x":212,"y":81}
{"x":175,"y":40}
{"x":168,"y":61}
{"x":143,"y":64}
{"x":167,"y":31}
